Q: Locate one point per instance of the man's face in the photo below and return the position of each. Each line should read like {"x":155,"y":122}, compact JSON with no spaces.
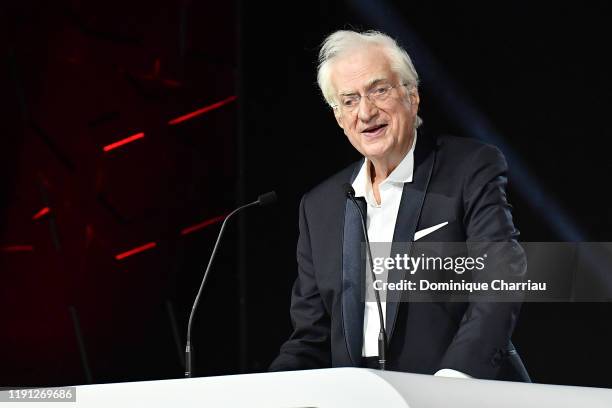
{"x":381,"y":131}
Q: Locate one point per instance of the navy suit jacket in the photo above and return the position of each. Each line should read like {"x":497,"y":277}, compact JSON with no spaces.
{"x":458,"y":180}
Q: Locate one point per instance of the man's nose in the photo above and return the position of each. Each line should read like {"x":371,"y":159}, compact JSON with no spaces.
{"x":366,"y":109}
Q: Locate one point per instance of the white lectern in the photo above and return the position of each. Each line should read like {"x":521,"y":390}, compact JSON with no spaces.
{"x":334,"y":388}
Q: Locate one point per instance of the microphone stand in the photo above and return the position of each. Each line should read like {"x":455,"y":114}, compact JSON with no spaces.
{"x":382,"y":334}
{"x":262,"y":200}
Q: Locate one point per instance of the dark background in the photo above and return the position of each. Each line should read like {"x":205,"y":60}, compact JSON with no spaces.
{"x":77,"y":76}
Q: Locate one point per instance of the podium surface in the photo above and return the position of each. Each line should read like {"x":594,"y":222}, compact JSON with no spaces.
{"x":334,"y":388}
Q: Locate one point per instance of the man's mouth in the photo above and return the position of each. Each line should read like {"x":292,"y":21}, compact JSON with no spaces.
{"x":374,"y":130}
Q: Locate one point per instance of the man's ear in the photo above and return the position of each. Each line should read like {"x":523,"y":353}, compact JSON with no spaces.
{"x":338,"y":117}
{"x":414,"y":99}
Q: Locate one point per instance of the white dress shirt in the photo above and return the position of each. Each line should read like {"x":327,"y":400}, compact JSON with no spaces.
{"x":380,"y":223}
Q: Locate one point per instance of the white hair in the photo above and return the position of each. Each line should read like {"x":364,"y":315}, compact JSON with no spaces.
{"x":341,"y":41}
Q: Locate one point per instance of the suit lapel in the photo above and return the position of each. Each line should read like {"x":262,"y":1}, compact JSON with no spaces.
{"x":411,"y":204}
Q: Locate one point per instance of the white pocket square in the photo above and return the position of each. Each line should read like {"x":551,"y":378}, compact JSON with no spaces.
{"x":420,"y":234}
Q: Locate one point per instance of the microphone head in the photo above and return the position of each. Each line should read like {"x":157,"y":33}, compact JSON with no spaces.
{"x":349,"y":191}
{"x":267,"y":198}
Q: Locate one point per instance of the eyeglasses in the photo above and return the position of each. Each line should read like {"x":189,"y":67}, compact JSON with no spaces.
{"x":376,"y":95}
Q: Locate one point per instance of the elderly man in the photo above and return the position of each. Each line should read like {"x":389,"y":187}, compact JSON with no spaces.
{"x":408,"y":182}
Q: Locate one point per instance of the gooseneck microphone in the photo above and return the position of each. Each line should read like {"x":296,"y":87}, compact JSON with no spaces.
{"x":262,"y":200}
{"x":349,"y":191}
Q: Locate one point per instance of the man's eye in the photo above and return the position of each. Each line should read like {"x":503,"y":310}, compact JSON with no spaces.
{"x":380,"y":91}
{"x":349,"y":102}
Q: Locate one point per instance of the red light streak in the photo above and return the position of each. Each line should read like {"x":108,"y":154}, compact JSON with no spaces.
{"x":17,"y":248}
{"x":121,"y":142}
{"x":196,"y":227}
{"x":201,"y":111}
{"x":41,"y":213}
{"x":136,"y":250}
